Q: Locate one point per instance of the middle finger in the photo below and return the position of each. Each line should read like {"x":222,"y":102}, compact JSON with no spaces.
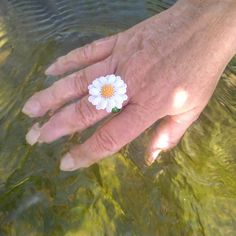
{"x":71,"y":87}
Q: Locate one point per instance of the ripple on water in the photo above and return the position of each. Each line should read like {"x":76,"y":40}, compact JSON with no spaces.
{"x":191,"y":190}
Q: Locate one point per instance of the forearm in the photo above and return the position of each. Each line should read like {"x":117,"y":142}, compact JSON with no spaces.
{"x":216,"y":16}
{"x":230,"y":4}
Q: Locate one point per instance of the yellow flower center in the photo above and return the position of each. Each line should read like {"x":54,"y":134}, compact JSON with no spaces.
{"x":107,"y":91}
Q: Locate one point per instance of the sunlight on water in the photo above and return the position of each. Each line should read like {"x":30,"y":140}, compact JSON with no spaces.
{"x":190,"y":190}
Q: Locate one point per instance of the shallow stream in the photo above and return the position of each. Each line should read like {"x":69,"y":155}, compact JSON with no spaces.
{"x":190,"y":190}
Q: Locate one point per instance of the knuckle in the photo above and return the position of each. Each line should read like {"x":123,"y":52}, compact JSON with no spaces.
{"x":79,"y":82}
{"x":87,"y":51}
{"x":106,"y":141}
{"x":53,"y":92}
{"x":111,"y":63}
{"x":54,"y":96}
{"x":84,"y":113}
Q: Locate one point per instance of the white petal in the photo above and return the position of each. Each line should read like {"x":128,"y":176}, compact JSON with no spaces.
{"x":118,"y":99}
{"x":91,"y":98}
{"x":119,"y":105}
{"x":96,"y":100}
{"x":108,"y":109}
{"x":94,"y":91}
{"x":121,"y":90}
{"x":98,"y":107}
{"x":111,"y":79}
{"x":90,"y":86}
{"x":96,"y":83}
{"x":124,"y":97}
{"x":102,"y":105}
{"x":107,"y":78}
{"x":123,"y":85}
{"x":118,"y":82}
{"x":110,"y":105}
{"x":102,"y":80}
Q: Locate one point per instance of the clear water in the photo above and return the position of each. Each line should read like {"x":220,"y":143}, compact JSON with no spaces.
{"x":191,"y":190}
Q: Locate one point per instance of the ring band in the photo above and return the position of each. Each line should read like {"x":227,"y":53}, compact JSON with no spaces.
{"x":108,"y":93}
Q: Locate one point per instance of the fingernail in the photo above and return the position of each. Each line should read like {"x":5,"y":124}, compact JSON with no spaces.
{"x":67,"y":163}
{"x":50,"y":70}
{"x":31,"y":108}
{"x":33,"y":135}
{"x":152,"y":157}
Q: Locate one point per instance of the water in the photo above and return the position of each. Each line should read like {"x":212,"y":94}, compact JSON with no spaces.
{"x":191,"y":190}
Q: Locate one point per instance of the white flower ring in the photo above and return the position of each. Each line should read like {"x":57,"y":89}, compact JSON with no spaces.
{"x":108,"y":93}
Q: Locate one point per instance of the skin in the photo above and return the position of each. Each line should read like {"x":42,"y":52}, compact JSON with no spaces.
{"x":171,"y":64}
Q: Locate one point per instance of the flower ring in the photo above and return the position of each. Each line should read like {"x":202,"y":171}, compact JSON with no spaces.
{"x":108,"y":93}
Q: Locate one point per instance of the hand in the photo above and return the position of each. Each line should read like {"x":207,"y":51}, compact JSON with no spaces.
{"x":171,"y":64}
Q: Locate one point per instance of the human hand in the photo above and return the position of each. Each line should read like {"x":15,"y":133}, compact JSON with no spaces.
{"x":171,"y":64}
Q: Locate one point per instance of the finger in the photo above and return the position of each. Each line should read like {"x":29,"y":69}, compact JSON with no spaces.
{"x":84,"y":56}
{"x":169,"y":133}
{"x":64,"y":90}
{"x":73,"y":118}
{"x":116,"y":133}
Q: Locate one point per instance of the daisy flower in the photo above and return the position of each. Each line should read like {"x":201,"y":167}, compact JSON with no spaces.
{"x":108,"y":93}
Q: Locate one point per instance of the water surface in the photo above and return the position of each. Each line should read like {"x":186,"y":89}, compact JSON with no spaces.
{"x":191,"y":190}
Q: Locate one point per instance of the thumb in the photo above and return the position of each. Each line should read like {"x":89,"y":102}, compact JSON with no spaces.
{"x":168,"y":133}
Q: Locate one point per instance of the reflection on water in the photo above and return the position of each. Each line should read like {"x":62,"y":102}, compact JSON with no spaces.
{"x":190,"y":191}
